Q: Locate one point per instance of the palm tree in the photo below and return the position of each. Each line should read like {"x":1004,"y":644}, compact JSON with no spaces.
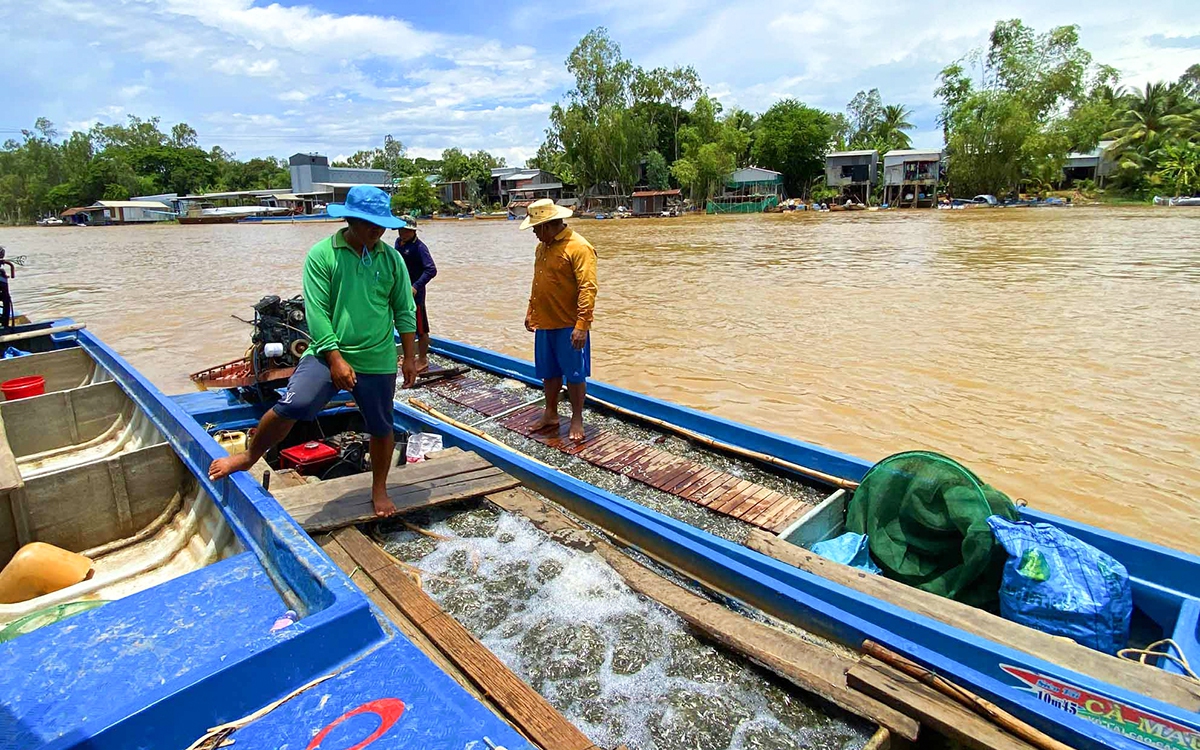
{"x":889,"y":132}
{"x":1143,"y":123}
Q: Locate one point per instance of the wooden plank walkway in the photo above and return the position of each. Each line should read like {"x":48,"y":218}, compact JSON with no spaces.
{"x":453,"y":475}
{"x":520,"y":704}
{"x":716,"y":490}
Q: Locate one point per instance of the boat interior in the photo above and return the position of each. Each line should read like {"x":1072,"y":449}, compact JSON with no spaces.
{"x":1159,"y":612}
{"x":83,"y":468}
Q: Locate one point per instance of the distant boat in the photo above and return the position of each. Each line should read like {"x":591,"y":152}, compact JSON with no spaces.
{"x":50,"y":221}
{"x":289,"y":219}
{"x":1176,"y":201}
{"x":230,"y":214}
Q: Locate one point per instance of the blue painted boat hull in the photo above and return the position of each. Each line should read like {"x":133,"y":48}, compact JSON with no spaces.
{"x":1044,"y":694}
{"x":1043,"y":697}
{"x":157,"y":668}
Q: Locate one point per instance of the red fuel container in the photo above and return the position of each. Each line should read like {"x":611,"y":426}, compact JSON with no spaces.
{"x":309,"y":458}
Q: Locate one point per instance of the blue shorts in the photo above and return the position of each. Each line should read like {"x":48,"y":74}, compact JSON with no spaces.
{"x":554,"y":357}
{"x":311,"y":386}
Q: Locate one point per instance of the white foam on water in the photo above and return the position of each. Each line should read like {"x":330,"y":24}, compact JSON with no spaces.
{"x":575,"y":635}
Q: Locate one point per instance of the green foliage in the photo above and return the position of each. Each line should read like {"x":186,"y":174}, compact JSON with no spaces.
{"x":392,"y":158}
{"x":870,"y":124}
{"x":1179,"y":168}
{"x":792,"y":138}
{"x":415,"y":196}
{"x":658,"y":176}
{"x":475,"y":169}
{"x":1016,"y":125}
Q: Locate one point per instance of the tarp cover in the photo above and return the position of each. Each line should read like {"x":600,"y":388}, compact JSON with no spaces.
{"x":926,"y":518}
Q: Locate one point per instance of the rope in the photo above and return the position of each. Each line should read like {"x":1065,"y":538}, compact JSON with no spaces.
{"x":1141,"y":654}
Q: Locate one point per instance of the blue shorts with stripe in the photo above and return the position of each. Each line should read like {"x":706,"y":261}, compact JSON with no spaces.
{"x":555,"y":357}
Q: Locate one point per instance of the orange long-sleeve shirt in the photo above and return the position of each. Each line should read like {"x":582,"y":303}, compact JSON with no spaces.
{"x":564,"y":283}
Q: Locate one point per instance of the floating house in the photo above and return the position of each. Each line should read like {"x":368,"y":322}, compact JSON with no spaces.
{"x":119,"y":212}
{"x":911,"y":177}
{"x":853,"y":173}
{"x":653,"y":202}
{"x":1096,"y":165}
{"x":749,"y":190}
{"x":454,"y":192}
{"x":495,"y":192}
{"x":529,"y":185}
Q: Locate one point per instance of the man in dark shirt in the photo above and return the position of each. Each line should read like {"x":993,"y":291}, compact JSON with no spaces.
{"x":420,"y":269}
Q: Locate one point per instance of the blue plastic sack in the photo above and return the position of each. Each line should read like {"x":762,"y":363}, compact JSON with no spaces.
{"x":1063,"y":586}
{"x":13,"y":351}
{"x":848,"y":549}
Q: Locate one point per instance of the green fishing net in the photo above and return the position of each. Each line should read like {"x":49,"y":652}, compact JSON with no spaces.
{"x":47,"y":616}
{"x":926,"y":518}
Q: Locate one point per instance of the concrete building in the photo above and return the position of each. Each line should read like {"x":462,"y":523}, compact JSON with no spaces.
{"x":853,"y":173}
{"x":312,"y":176}
{"x":1096,"y":165}
{"x":911,"y":177}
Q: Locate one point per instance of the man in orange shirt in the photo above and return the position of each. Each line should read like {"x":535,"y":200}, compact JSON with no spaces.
{"x":560,"y":310}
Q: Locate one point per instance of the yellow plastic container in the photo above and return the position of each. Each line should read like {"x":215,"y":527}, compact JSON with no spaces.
{"x":39,"y":568}
{"x":233,"y":441}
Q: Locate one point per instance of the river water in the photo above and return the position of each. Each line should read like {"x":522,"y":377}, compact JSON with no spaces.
{"x":1055,"y":351}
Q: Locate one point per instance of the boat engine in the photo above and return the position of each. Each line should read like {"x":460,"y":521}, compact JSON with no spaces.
{"x":280,"y":332}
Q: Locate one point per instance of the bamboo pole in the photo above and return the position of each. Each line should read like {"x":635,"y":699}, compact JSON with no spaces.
{"x":10,"y":338}
{"x":981,"y":706}
{"x":766,"y":458}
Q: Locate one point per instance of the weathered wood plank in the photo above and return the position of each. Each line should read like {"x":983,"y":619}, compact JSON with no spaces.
{"x":1139,"y":678}
{"x":10,"y":475}
{"x":528,"y":710}
{"x":347,"y":500}
{"x":872,"y":677}
{"x":815,"y":669}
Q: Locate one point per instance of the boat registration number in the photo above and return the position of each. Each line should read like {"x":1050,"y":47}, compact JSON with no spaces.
{"x":1134,"y":723}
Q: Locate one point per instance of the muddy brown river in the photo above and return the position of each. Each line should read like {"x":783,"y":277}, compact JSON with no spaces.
{"x":1055,"y":351}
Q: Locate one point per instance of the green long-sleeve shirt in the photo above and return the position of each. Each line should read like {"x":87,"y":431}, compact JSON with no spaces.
{"x":353,"y":305}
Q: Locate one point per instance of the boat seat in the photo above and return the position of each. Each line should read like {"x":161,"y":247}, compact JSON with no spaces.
{"x":63,"y":369}
{"x":64,"y":418}
{"x":10,"y":484}
{"x":93,"y":504}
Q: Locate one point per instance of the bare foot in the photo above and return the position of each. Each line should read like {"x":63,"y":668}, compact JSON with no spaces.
{"x":576,"y":431}
{"x":422,"y":366}
{"x":383,"y":504}
{"x":546,"y":421}
{"x":223,"y":467}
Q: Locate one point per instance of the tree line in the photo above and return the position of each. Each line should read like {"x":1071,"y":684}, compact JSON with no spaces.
{"x":44,"y":174}
{"x":1011,"y":112}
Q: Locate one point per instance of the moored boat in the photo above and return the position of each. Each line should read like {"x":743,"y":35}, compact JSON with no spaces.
{"x":1082,"y":697}
{"x":203,"y":603}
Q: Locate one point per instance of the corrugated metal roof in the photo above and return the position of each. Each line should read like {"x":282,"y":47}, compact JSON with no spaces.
{"x":913,"y":152}
{"x":541,"y":186}
{"x":654,"y":193}
{"x":149,"y":205}
{"x":521,"y":176}
{"x":861,"y":152}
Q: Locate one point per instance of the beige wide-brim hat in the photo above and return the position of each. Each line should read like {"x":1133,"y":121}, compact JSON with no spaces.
{"x":541,"y":211}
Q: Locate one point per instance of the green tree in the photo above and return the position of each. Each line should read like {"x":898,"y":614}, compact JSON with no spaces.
{"x":658,"y":176}
{"x":793,"y":138}
{"x":455,"y":165}
{"x":1179,"y":168}
{"x":1013,"y":124}
{"x":866,"y":111}
{"x":416,"y":195}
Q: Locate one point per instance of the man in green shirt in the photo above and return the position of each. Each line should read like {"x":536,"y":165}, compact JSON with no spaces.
{"x":356,"y":293}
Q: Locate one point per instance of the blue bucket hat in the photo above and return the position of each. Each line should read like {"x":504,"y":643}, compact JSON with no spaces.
{"x":369,"y":204}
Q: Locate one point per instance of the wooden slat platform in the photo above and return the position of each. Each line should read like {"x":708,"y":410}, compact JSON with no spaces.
{"x":716,"y":490}
{"x":520,"y":704}
{"x":334,"y":503}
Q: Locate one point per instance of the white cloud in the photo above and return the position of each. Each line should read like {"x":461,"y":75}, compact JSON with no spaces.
{"x":245,"y":66}
{"x":131,"y":92}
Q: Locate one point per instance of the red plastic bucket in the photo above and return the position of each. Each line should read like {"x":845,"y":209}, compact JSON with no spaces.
{"x":32,"y":385}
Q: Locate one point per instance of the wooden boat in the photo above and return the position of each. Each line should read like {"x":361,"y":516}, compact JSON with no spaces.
{"x":194,"y":581}
{"x":1083,"y":698}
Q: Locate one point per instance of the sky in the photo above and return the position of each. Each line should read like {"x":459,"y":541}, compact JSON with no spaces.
{"x":336,"y":76}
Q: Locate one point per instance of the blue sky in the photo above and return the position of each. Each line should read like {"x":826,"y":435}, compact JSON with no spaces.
{"x":335,"y":76}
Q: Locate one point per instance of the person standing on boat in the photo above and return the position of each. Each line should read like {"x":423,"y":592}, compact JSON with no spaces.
{"x":560,"y":310}
{"x":357,"y":293}
{"x":421,"y":270}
